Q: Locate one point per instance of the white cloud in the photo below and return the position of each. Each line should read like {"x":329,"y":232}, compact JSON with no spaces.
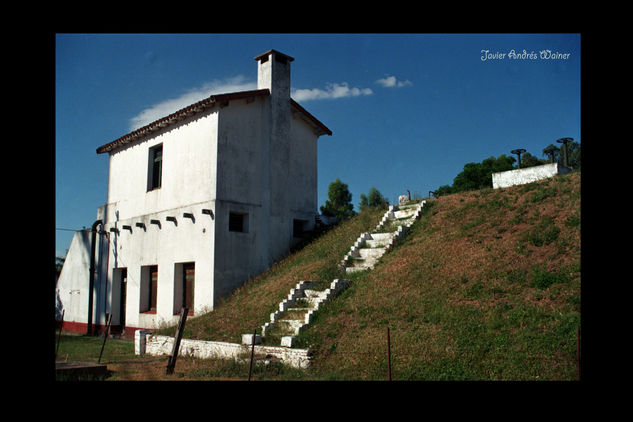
{"x":235,"y":84}
{"x":166,"y":107}
{"x":333,"y":90}
{"x":392,"y":82}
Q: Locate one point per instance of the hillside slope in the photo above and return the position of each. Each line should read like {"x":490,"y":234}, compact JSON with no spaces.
{"x":486,"y":286}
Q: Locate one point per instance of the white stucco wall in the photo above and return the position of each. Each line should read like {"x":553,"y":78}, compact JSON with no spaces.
{"x":303,"y":168}
{"x":522,"y":176}
{"x":188,"y":174}
{"x":243,"y":187}
{"x":166,"y":246}
{"x":71,"y":294}
{"x":272,"y":189}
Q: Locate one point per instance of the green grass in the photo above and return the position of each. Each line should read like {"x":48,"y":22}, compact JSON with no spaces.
{"x":78,"y":348}
{"x":123,"y":365}
{"x":88,"y":348}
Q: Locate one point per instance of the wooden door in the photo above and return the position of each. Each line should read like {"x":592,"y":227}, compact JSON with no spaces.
{"x":188,"y":285}
{"x":153,"y":287}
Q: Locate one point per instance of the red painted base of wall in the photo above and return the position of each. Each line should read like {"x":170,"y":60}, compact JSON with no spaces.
{"x":97,"y":329}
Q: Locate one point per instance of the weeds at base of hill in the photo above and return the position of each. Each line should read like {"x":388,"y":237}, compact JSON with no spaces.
{"x":123,"y":365}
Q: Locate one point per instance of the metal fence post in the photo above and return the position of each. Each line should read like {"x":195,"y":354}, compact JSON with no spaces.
{"x":388,"y":354}
{"x":250,"y":368}
{"x":105,"y":336}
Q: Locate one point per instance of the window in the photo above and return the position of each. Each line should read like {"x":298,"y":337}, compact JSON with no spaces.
{"x":154,"y":177}
{"x":238,"y":222}
{"x":298,"y":228}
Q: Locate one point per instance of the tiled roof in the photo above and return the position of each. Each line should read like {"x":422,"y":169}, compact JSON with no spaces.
{"x":197,"y":108}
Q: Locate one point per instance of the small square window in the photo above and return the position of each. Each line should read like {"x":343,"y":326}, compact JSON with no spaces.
{"x":238,"y":222}
{"x":298,"y":228}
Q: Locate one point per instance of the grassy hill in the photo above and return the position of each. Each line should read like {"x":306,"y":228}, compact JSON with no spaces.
{"x":486,"y":286}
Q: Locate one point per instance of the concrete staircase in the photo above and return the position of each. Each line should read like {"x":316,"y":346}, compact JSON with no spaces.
{"x":297,"y":310}
{"x":369,"y":247}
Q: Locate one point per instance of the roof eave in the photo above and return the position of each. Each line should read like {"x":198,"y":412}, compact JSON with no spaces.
{"x":323,"y":130}
{"x":178,"y":116}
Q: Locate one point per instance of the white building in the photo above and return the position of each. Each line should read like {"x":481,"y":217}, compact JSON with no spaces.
{"x":198,"y":202}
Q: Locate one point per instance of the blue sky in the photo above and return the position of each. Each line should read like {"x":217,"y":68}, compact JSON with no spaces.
{"x":407,"y":111}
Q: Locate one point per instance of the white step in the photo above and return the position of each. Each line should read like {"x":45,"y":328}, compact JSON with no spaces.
{"x":377,"y":243}
{"x":404,"y":214}
{"x":369,"y":253}
{"x":309,"y":293}
{"x":291,"y":325}
{"x":355,"y":269}
{"x":380,"y":236}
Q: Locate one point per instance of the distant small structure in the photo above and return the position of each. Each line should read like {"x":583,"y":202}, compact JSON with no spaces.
{"x":523,"y":176}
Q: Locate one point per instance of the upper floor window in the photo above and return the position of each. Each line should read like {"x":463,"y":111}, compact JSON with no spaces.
{"x":154,"y":177}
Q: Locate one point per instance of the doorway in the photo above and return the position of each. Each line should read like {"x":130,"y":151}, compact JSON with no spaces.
{"x":119,"y":299}
{"x":189,"y":275}
{"x":184,"y":286}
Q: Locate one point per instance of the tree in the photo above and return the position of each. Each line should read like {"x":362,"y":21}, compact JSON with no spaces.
{"x":529,"y":160}
{"x":443,"y":190}
{"x":552,"y":152}
{"x":479,"y":175}
{"x":556,"y":154}
{"x":373,"y":199}
{"x":339,"y":204}
{"x":573,"y":154}
{"x":364,"y":202}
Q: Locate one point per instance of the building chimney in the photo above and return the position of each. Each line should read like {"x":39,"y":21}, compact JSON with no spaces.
{"x":273,"y":73}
